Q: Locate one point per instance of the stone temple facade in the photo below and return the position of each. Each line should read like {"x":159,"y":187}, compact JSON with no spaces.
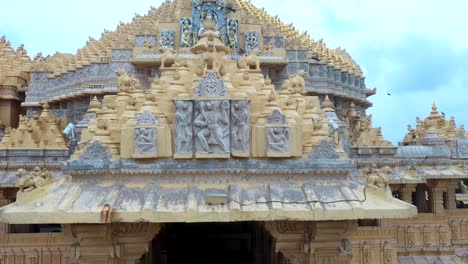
{"x":208,"y":131}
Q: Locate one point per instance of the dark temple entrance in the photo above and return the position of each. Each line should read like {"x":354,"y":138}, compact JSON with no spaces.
{"x":211,"y":243}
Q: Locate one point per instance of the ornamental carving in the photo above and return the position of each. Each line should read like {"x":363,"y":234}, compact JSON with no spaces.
{"x":212,"y":127}
{"x":145,"y":134}
{"x":324,"y":150}
{"x":276,"y":118}
{"x":251,"y":39}
{"x":240,"y":126}
{"x":211,"y":85}
{"x":278,"y":139}
{"x":186,"y":38}
{"x":95,"y":151}
{"x":35,"y":179}
{"x":184,"y":127}
{"x":166,"y":39}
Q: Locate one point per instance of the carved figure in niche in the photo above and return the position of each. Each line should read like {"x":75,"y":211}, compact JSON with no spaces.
{"x":278,"y":139}
{"x":367,"y":254}
{"x":232,"y":28}
{"x":167,"y":57}
{"x":184,"y":133}
{"x":240,"y":126}
{"x":34,"y":179}
{"x":185,"y":32}
{"x":253,"y":60}
{"x":210,"y":17}
{"x":251,"y":41}
{"x":145,"y":140}
{"x":212,"y":117}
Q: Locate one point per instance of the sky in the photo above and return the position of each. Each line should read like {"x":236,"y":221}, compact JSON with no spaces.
{"x":416,"y":51}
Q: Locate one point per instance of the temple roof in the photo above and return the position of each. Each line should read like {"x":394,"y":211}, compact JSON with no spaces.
{"x":137,"y":200}
{"x":171,"y":12}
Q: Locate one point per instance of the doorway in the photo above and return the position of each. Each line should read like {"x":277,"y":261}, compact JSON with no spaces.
{"x":212,"y":243}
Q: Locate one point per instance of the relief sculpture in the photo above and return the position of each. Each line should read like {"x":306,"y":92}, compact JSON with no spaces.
{"x":145,"y":134}
{"x":277,"y":133}
{"x":184,"y":134}
{"x":240,"y":127}
{"x":212,"y":127}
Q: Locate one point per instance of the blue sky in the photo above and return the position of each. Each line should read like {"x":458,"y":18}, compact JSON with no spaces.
{"x":416,"y":50}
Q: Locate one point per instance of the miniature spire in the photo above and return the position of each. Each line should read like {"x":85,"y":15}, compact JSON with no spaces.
{"x":327,"y":105}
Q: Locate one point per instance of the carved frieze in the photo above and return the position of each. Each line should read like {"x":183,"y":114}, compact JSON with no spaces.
{"x":240,"y":127}
{"x":184,"y":128}
{"x":212,"y":128}
{"x":278,"y":135}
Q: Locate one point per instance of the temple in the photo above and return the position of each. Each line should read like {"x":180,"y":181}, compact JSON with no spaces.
{"x":208,"y":131}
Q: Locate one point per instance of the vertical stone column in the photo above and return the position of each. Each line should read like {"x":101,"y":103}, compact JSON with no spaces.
{"x":120,"y":243}
{"x":312,"y":242}
{"x":291,"y":239}
{"x":407,"y":192}
{"x":328,"y":243}
{"x":451,"y":188}
{"x":438,"y":200}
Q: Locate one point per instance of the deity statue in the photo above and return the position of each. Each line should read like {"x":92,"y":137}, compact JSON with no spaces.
{"x":212,"y":118}
{"x":145,"y":140}
{"x":232,"y":28}
{"x":183,"y":129}
{"x":185,"y":32}
{"x":278,"y":139}
{"x":240,"y":126}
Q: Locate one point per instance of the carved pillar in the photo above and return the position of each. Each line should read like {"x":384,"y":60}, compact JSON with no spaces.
{"x":120,"y":243}
{"x":312,"y":242}
{"x":290,"y":239}
{"x":328,"y":244}
{"x":407,"y":193}
{"x":438,"y":200}
{"x":451,"y":201}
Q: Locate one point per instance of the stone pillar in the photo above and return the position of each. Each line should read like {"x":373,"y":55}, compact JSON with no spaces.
{"x":290,"y":239}
{"x":312,"y":242}
{"x":407,"y":193}
{"x":329,"y":242}
{"x":119,"y":243}
{"x":438,"y":200}
{"x":451,"y":201}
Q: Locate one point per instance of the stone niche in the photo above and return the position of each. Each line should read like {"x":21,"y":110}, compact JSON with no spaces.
{"x":212,"y":125}
{"x":275,"y":137}
{"x":150,"y":138}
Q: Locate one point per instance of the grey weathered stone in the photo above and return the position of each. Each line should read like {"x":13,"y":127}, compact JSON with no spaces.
{"x":240,"y":127}
{"x":184,"y":127}
{"x":212,"y":126}
{"x":323,"y":151}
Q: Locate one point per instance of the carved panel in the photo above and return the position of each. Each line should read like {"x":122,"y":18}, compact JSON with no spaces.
{"x":251,"y":40}
{"x":166,"y":39}
{"x":145,"y":135}
{"x":143,"y":41}
{"x":212,"y":127}
{"x":184,"y":128}
{"x":209,"y":10}
{"x":240,"y":127}
{"x":278,"y":139}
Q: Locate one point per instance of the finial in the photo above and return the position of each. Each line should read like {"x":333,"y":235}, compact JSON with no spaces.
{"x":94,"y":105}
{"x":434,"y":107}
{"x":327,"y":105}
